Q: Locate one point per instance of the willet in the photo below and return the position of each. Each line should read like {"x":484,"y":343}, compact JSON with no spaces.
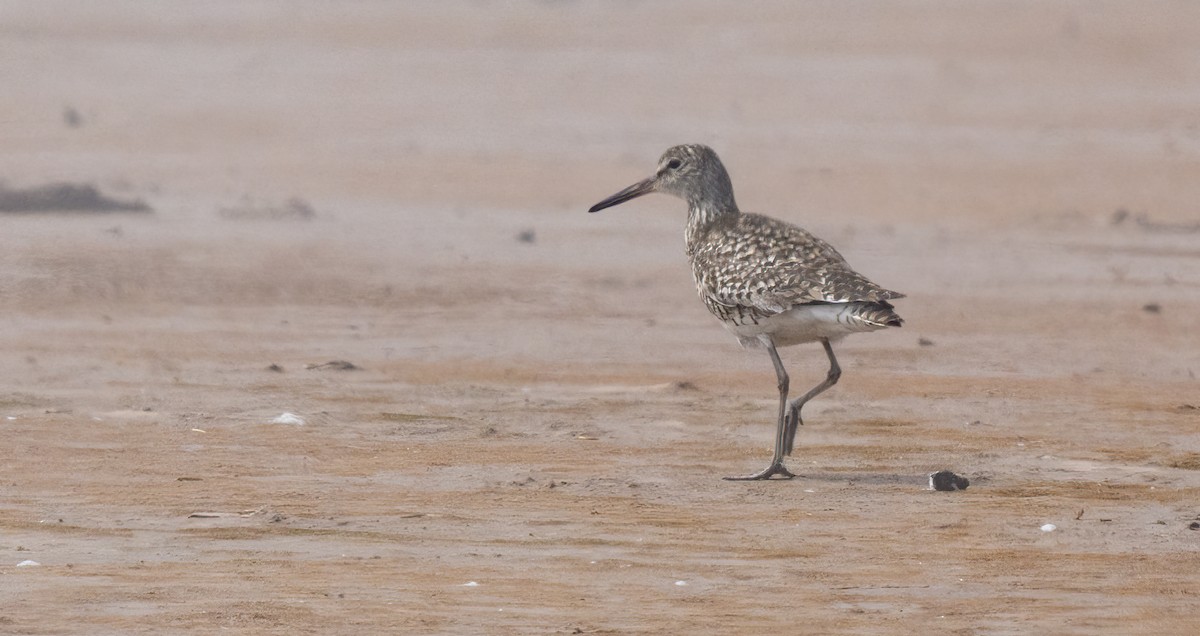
{"x":771,"y":283}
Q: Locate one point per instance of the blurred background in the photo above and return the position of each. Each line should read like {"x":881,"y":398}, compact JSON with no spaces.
{"x":439,"y":157}
{"x":442,"y":155}
{"x":823,"y":110}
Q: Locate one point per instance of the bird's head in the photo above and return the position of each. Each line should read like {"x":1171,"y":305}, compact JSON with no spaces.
{"x":692,"y":172}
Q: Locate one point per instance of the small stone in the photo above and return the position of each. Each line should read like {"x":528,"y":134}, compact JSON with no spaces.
{"x":947,"y":481}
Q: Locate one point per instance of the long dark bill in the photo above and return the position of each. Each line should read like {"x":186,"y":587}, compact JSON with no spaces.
{"x":632,"y":192}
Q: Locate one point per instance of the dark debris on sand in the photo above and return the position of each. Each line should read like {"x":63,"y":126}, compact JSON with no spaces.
{"x":336,"y":365}
{"x":294,"y":209}
{"x":947,"y":481}
{"x":1143,"y":221}
{"x":64,"y":197}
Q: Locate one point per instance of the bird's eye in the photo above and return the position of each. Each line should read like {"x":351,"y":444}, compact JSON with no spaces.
{"x":674,"y":164}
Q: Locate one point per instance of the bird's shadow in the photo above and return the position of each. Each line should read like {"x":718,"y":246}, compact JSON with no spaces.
{"x":870,"y":479}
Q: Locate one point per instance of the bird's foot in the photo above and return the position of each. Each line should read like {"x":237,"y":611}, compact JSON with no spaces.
{"x":768,"y":473}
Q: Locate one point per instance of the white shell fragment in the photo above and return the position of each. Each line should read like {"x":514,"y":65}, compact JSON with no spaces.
{"x":289,"y":418}
{"x":1049,"y":527}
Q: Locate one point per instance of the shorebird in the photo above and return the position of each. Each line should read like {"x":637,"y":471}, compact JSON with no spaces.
{"x":771,"y":283}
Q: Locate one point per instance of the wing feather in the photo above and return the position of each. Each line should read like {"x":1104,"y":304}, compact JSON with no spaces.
{"x":766,"y":266}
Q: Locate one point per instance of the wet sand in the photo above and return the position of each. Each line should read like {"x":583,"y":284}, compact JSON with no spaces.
{"x":534,"y":437}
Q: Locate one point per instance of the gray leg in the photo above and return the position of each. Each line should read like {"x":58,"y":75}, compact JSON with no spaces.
{"x":793,"y":416}
{"x":776,"y":467}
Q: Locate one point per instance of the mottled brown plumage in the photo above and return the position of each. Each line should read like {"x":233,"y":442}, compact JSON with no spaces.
{"x":769,"y":282}
{"x":766,"y":266}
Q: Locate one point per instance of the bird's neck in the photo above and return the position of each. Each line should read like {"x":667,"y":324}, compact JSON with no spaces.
{"x":704,"y":214}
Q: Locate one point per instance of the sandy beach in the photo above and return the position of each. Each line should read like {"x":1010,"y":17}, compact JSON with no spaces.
{"x":531,"y":430}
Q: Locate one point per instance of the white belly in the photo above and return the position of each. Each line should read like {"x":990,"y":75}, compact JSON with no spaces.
{"x":804,"y":323}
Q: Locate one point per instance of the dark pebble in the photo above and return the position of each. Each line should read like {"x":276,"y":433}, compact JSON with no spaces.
{"x":946,"y":480}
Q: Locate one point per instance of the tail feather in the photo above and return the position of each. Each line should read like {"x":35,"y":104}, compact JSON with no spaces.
{"x":878,"y":314}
